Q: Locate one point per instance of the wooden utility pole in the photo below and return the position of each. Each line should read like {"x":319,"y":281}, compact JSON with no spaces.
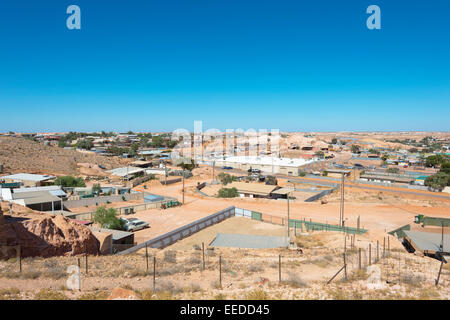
{"x":183,"y":186}
{"x":341,"y":218}
{"x":214,"y":167}
{"x":154,"y":273}
{"x":288,"y":229}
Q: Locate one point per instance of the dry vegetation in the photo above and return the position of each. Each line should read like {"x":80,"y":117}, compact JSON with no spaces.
{"x":246,"y":274}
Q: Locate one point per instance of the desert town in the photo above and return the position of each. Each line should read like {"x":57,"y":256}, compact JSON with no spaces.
{"x":325,"y":215}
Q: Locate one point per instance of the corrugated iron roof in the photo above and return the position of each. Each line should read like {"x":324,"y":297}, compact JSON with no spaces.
{"x":252,"y":188}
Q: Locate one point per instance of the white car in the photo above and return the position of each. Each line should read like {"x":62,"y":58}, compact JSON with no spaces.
{"x":133,"y":224}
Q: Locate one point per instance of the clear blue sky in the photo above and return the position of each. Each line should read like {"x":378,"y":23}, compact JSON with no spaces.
{"x":154,"y":65}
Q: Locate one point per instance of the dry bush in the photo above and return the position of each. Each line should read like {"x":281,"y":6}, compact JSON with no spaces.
{"x":193,"y":287}
{"x":320,"y":262}
{"x":220,"y":296}
{"x":295,"y":281}
{"x":338,"y":294}
{"x":9,"y":294}
{"x":48,"y":294}
{"x":414,"y":280}
{"x":170,"y":256}
{"x":255,"y":268}
{"x":96,"y":295}
{"x":167,"y":271}
{"x":308,"y":242}
{"x":257,"y":294}
{"x":164,"y":286}
{"x":216,"y":284}
{"x":194,"y":260}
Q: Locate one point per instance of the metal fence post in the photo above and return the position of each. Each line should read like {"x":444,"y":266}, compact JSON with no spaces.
{"x":146,"y":256}
{"x":20,"y":259}
{"x":154,"y":273}
{"x":359,"y":257}
{"x":86,"y":255}
{"x":220,"y":271}
{"x":203,"y":254}
{"x":378,"y":251}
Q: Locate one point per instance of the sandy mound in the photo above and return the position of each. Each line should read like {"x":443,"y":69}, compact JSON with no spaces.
{"x":123,"y":294}
{"x":51,"y":236}
{"x":89,"y":169}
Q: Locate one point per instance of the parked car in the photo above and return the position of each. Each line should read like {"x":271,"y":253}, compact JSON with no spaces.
{"x":134,"y":224}
{"x":227,"y":168}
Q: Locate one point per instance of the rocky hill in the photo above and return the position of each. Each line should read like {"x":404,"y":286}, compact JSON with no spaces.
{"x":44,"y":235}
{"x":22,"y":155}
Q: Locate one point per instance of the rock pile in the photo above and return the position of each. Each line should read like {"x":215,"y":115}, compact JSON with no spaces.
{"x":51,"y":236}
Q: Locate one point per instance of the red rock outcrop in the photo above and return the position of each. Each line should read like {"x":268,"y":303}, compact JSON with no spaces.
{"x":51,"y":236}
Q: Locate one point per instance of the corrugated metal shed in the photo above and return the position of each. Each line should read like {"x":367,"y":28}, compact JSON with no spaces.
{"x":249,"y":241}
{"x":283,"y":191}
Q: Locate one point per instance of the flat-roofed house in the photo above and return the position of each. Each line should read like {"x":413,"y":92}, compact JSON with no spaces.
{"x":38,"y":200}
{"x":253,"y":190}
{"x":28,"y":179}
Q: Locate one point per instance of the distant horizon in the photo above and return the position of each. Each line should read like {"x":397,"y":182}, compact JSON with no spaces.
{"x":170,"y":131}
{"x":289,"y":65}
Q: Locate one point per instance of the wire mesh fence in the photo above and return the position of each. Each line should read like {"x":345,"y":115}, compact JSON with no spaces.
{"x":213,"y":268}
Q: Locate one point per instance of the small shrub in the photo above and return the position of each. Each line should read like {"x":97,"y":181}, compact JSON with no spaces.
{"x":216,"y":285}
{"x":228,"y":193}
{"x":97,"y":295}
{"x":255,"y":268}
{"x":295,"y":281}
{"x":48,"y":294}
{"x":257,"y":294}
{"x":170,"y":256}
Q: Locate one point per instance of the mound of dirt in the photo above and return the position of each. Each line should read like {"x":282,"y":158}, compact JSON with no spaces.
{"x":22,"y":155}
{"x":123,"y":294}
{"x":51,"y":236}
